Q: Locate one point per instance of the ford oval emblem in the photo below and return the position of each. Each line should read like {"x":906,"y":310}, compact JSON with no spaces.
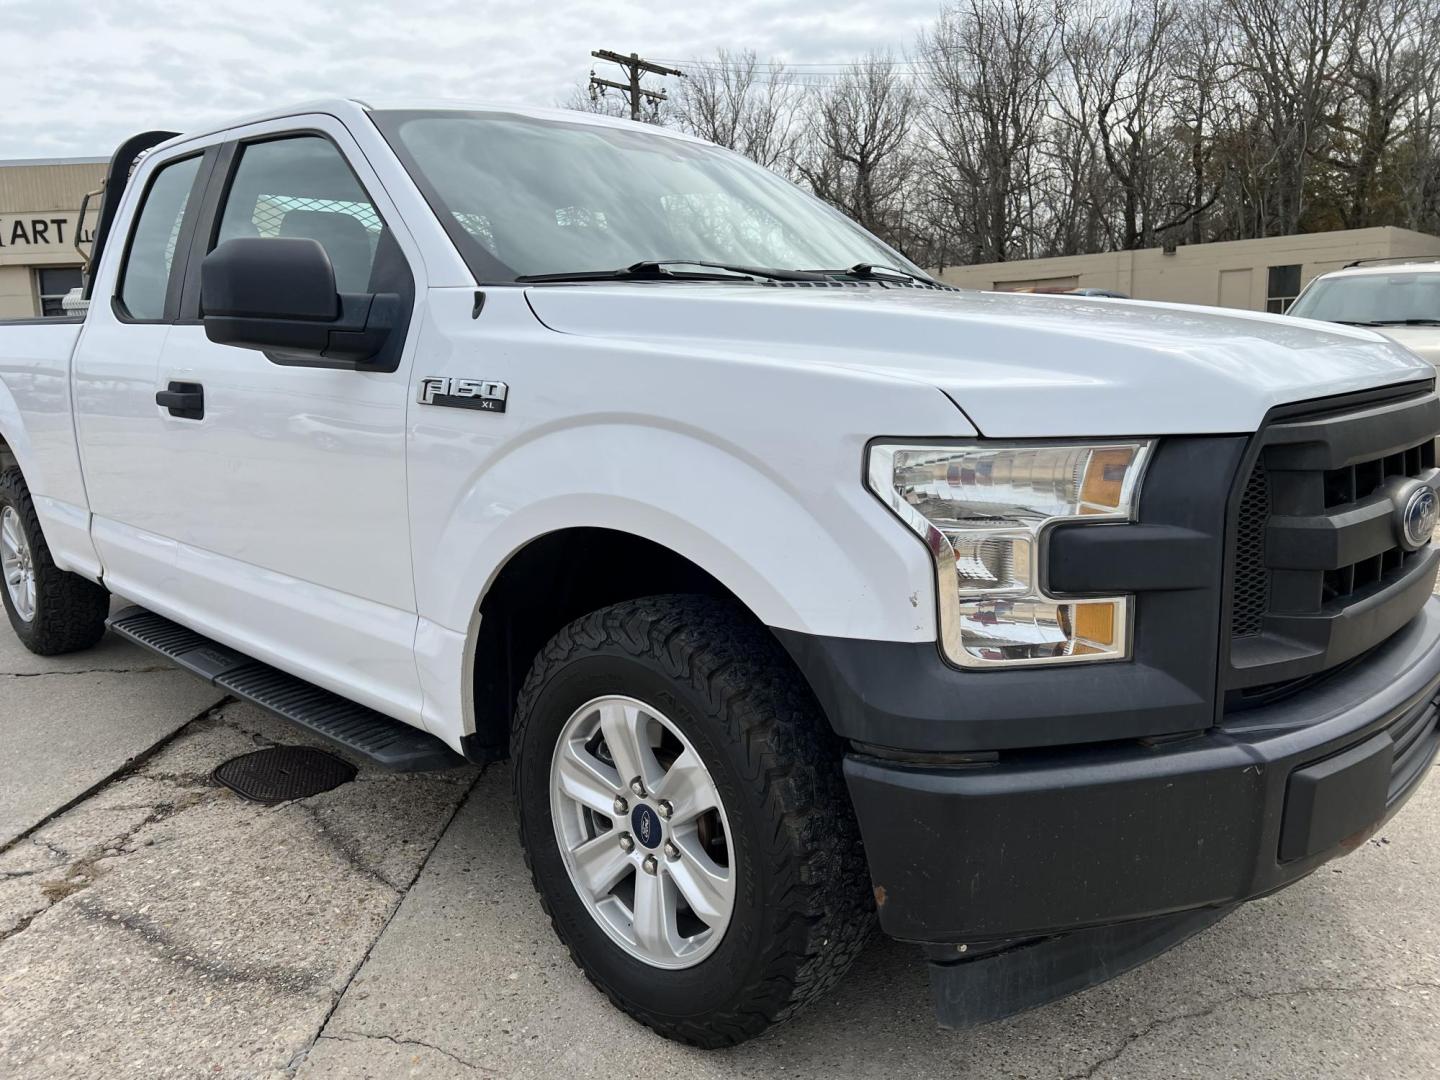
{"x":1417,"y":521}
{"x":646,"y":825}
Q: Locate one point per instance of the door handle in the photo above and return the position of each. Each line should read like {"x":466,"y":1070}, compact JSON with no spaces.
{"x":183,"y":399}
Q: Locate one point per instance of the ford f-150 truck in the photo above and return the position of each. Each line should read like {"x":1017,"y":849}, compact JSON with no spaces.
{"x":799,"y":590}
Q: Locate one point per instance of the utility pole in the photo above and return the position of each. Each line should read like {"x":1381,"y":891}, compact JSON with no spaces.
{"x":632,"y":90}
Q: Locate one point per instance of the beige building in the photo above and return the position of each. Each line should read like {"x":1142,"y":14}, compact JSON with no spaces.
{"x":1259,"y":275}
{"x":39,"y":223}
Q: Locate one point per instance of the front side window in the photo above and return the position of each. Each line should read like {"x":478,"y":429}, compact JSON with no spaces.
{"x":524,"y":196}
{"x":301,"y":186}
{"x":145,"y":277}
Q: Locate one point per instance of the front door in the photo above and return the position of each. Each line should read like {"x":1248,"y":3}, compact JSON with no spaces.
{"x":286,"y":484}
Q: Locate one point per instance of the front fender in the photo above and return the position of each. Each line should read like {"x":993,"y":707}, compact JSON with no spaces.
{"x":814,"y":553}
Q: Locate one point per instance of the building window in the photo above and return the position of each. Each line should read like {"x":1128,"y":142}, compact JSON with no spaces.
{"x":1283,"y":289}
{"x":53,"y":283}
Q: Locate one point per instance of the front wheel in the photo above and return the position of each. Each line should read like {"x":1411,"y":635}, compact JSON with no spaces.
{"x":685,"y":819}
{"x":51,"y":611}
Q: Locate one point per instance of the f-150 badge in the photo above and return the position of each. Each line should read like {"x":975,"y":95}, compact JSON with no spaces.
{"x":484,"y":394}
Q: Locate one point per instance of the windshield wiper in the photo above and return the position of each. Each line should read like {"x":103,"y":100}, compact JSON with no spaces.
{"x":1404,"y":322}
{"x":879,"y":272}
{"x":656,"y":270}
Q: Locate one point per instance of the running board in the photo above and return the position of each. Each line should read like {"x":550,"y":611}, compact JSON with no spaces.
{"x":383,"y":741}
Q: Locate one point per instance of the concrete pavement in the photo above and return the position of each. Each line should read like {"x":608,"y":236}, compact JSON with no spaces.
{"x":162,"y":926}
{"x":166,"y":927}
{"x":1338,"y":977}
{"x":71,"y":721}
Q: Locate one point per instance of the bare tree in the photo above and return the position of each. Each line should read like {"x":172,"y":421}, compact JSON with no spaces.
{"x":988,"y":65}
{"x":1195,"y":92}
{"x":734,"y":103}
{"x":856,"y":150}
{"x":1289,"y":53}
{"x":1383,"y":69}
{"x":1415,"y":163}
{"x":1034,"y":127}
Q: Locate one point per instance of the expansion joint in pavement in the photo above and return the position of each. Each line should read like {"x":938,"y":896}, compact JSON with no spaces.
{"x":360,"y":1036}
{"x":133,"y":765}
{"x":87,"y":671}
{"x":339,"y":995}
{"x":79,"y":873}
{"x":1137,"y":1037}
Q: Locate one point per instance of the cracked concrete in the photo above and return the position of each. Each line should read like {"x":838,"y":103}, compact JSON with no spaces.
{"x":161,"y":926}
{"x":166,"y":927}
{"x":85,"y":717}
{"x":1337,"y":977}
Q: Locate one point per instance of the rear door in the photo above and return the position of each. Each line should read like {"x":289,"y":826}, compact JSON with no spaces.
{"x":135,"y":302}
{"x":286,"y":490}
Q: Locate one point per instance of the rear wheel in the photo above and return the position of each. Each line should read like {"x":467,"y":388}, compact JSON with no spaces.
{"x":51,"y":611}
{"x":685,"y":819}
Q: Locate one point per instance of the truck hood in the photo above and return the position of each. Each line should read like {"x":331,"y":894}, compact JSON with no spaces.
{"x":1017,"y":365}
{"x":1423,"y":341}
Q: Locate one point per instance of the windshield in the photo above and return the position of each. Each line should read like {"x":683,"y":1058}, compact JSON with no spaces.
{"x":522,"y":196}
{"x":1373,"y":299}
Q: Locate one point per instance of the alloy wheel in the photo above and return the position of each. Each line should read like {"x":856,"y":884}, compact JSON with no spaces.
{"x":17,"y":564}
{"x":642,"y":832}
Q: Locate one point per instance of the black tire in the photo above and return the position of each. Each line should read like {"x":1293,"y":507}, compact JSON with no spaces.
{"x":69,"y":611}
{"x":803,"y":909}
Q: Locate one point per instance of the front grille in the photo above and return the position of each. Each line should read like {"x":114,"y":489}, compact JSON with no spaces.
{"x":1354,"y":483}
{"x":1314,"y":540}
{"x":1251,"y":597}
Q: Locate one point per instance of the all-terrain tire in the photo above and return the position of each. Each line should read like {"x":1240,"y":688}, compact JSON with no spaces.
{"x":803,"y":907}
{"x":69,"y":611}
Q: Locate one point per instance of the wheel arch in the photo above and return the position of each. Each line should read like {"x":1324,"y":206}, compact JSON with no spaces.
{"x":552,"y":580}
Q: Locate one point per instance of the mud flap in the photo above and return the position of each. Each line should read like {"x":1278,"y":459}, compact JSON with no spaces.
{"x":1013,"y":978}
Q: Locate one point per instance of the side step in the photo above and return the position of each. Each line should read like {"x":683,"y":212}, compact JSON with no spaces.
{"x":387,"y":743}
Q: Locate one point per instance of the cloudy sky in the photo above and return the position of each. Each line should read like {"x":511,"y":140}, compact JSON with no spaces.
{"x":76,"y":77}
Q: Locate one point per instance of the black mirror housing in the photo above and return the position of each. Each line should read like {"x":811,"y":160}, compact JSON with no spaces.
{"x":277,"y":295}
{"x":280,"y":277}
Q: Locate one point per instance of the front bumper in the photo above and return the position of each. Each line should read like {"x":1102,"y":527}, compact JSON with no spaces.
{"x":1041,"y":842}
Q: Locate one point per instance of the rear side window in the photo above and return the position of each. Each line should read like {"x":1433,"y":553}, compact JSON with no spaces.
{"x":145,"y":277}
{"x":302,"y":186}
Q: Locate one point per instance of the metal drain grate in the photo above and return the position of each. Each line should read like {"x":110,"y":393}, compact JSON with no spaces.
{"x":280,"y":773}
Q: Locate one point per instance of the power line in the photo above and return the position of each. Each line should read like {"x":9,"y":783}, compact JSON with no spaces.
{"x":785,"y":65}
{"x":632,"y":89}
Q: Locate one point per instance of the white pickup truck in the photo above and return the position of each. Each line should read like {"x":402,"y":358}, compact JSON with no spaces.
{"x":797,"y":587}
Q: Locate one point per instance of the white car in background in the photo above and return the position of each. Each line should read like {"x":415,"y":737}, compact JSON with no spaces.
{"x":1399,"y":299}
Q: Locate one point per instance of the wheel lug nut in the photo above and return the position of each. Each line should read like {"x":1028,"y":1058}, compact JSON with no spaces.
{"x":627,"y":842}
{"x":621,"y":805}
{"x":666,"y":810}
{"x":671,"y":851}
{"x":650,"y":865}
{"x":637,"y":787}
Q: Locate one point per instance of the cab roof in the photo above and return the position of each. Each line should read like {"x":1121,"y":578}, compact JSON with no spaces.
{"x":353,"y":109}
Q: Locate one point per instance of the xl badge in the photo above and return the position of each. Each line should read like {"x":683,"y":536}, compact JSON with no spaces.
{"x":484,"y":394}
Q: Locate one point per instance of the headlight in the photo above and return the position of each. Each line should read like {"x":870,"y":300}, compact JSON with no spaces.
{"x":983,"y":510}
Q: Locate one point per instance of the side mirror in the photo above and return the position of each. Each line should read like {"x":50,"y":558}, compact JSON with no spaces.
{"x":277,"y":294}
